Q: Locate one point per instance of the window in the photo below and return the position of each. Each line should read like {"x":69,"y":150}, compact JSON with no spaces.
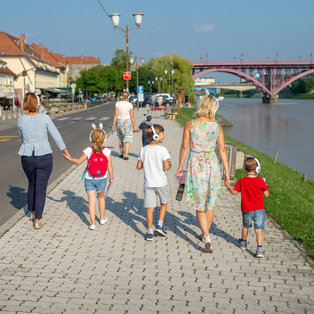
{"x":2,"y":52}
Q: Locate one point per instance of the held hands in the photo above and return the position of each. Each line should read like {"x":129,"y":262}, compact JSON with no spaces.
{"x":227,"y":179}
{"x":66,"y":154}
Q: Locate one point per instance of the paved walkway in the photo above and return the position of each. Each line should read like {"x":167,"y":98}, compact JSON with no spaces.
{"x":67,"y":268}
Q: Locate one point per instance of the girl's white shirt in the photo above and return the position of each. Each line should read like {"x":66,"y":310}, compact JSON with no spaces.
{"x":88,"y":151}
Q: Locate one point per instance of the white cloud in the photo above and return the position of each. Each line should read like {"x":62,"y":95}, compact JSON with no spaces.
{"x":204,"y":28}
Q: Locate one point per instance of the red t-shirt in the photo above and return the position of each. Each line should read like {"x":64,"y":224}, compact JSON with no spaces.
{"x":251,"y":189}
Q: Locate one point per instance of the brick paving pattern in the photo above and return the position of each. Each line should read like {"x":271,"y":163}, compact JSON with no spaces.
{"x":67,"y":268}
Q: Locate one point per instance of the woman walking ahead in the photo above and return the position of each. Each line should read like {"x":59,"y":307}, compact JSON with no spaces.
{"x":36,"y":155}
{"x":123,"y":122}
{"x":203,"y":170}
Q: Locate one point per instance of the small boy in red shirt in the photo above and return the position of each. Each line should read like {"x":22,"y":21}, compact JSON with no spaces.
{"x":252,"y":189}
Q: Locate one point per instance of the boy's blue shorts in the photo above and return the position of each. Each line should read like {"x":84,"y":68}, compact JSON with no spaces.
{"x":257,"y":216}
{"x":95,"y":184}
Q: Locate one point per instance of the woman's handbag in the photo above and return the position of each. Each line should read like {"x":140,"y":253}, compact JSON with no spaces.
{"x":180,"y":191}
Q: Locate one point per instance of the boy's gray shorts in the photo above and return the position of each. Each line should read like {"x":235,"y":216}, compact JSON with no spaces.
{"x":150,"y":196}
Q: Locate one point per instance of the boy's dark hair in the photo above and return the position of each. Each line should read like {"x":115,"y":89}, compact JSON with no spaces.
{"x":250,"y":164}
{"x":149,"y":132}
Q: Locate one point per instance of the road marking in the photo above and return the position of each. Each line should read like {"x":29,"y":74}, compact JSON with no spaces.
{"x":90,"y":118}
{"x":78,"y":118}
{"x":5,"y":138}
{"x":105,"y":118}
{"x":63,"y":119}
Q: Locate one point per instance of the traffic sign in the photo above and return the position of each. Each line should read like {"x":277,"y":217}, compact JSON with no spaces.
{"x":141,"y":89}
{"x":127,"y":75}
{"x":73,"y":85}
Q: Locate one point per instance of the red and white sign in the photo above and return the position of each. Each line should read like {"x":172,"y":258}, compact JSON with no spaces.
{"x":127,"y":75}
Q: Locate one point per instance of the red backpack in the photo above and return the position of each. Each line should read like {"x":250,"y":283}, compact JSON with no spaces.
{"x":97,"y":164}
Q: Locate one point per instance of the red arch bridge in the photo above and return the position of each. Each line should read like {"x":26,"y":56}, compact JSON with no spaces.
{"x":270,"y":77}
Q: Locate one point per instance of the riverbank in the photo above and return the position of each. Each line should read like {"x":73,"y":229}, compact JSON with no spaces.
{"x":291,"y":199}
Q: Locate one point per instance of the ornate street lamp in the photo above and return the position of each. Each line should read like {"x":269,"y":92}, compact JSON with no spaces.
{"x":115,"y":19}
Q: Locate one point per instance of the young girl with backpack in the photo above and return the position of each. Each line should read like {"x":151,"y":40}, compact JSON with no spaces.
{"x":96,"y":173}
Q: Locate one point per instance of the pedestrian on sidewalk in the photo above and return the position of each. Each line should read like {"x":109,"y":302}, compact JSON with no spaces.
{"x":124,"y":123}
{"x":203,"y":180}
{"x":145,"y":124}
{"x":252,"y":189}
{"x":154,"y":159}
{"x":36,"y":155}
{"x":99,"y":164}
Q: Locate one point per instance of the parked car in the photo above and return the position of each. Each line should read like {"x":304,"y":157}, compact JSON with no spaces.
{"x":167,"y":99}
{"x":133,"y":98}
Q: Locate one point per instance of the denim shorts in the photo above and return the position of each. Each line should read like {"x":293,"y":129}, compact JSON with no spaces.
{"x":257,"y":216}
{"x":95,"y":184}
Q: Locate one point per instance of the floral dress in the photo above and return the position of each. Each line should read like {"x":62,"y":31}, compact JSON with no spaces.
{"x":203,"y":172}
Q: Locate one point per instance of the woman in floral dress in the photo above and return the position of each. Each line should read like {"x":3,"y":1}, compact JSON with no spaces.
{"x":203,"y":170}
{"x":123,"y":122}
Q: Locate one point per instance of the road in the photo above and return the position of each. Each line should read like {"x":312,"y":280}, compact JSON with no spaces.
{"x":74,"y":128}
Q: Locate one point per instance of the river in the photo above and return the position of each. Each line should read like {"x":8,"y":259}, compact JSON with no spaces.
{"x":287,"y":125}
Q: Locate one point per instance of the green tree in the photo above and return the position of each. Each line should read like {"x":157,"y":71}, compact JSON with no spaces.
{"x":182,"y":76}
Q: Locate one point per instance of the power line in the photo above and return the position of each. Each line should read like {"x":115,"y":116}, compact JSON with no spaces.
{"x":103,"y":8}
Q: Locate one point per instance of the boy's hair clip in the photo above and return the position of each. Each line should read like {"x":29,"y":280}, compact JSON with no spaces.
{"x":101,"y":127}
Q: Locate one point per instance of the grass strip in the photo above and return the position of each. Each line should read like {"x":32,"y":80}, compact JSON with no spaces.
{"x":291,"y":199}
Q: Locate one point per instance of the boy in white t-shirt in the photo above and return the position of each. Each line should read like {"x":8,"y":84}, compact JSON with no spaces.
{"x":154,"y":159}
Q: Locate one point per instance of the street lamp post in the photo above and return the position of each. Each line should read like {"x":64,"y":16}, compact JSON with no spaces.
{"x":158,"y":82}
{"x":151,"y":83}
{"x":133,"y":60}
{"x":115,"y":18}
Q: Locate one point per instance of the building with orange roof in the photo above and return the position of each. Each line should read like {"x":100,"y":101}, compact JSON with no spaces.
{"x":29,"y":66}
{"x":78,"y":64}
{"x":6,"y":85}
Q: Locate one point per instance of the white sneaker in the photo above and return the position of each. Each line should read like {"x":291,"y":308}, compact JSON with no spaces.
{"x":103,"y":221}
{"x":91,"y":227}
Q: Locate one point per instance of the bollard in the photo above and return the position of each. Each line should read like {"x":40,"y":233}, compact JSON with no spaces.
{"x":276,"y":155}
{"x":304,"y":177}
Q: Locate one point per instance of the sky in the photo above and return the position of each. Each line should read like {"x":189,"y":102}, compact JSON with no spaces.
{"x":223,"y":29}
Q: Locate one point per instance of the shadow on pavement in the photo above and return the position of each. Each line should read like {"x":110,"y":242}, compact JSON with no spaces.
{"x":191,"y":219}
{"x":78,"y":204}
{"x":131,"y":211}
{"x":18,"y":197}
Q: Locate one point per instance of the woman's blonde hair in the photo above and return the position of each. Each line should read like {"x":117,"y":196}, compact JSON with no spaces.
{"x":208,"y":107}
{"x":98,"y":138}
{"x":30,"y":102}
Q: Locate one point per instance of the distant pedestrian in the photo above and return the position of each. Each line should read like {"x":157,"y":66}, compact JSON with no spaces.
{"x":252,"y":189}
{"x":203,"y":170}
{"x":124,"y":123}
{"x":99,"y":165}
{"x":159,"y":100}
{"x":145,"y":124}
{"x":154,"y":159}
{"x":36,"y":155}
